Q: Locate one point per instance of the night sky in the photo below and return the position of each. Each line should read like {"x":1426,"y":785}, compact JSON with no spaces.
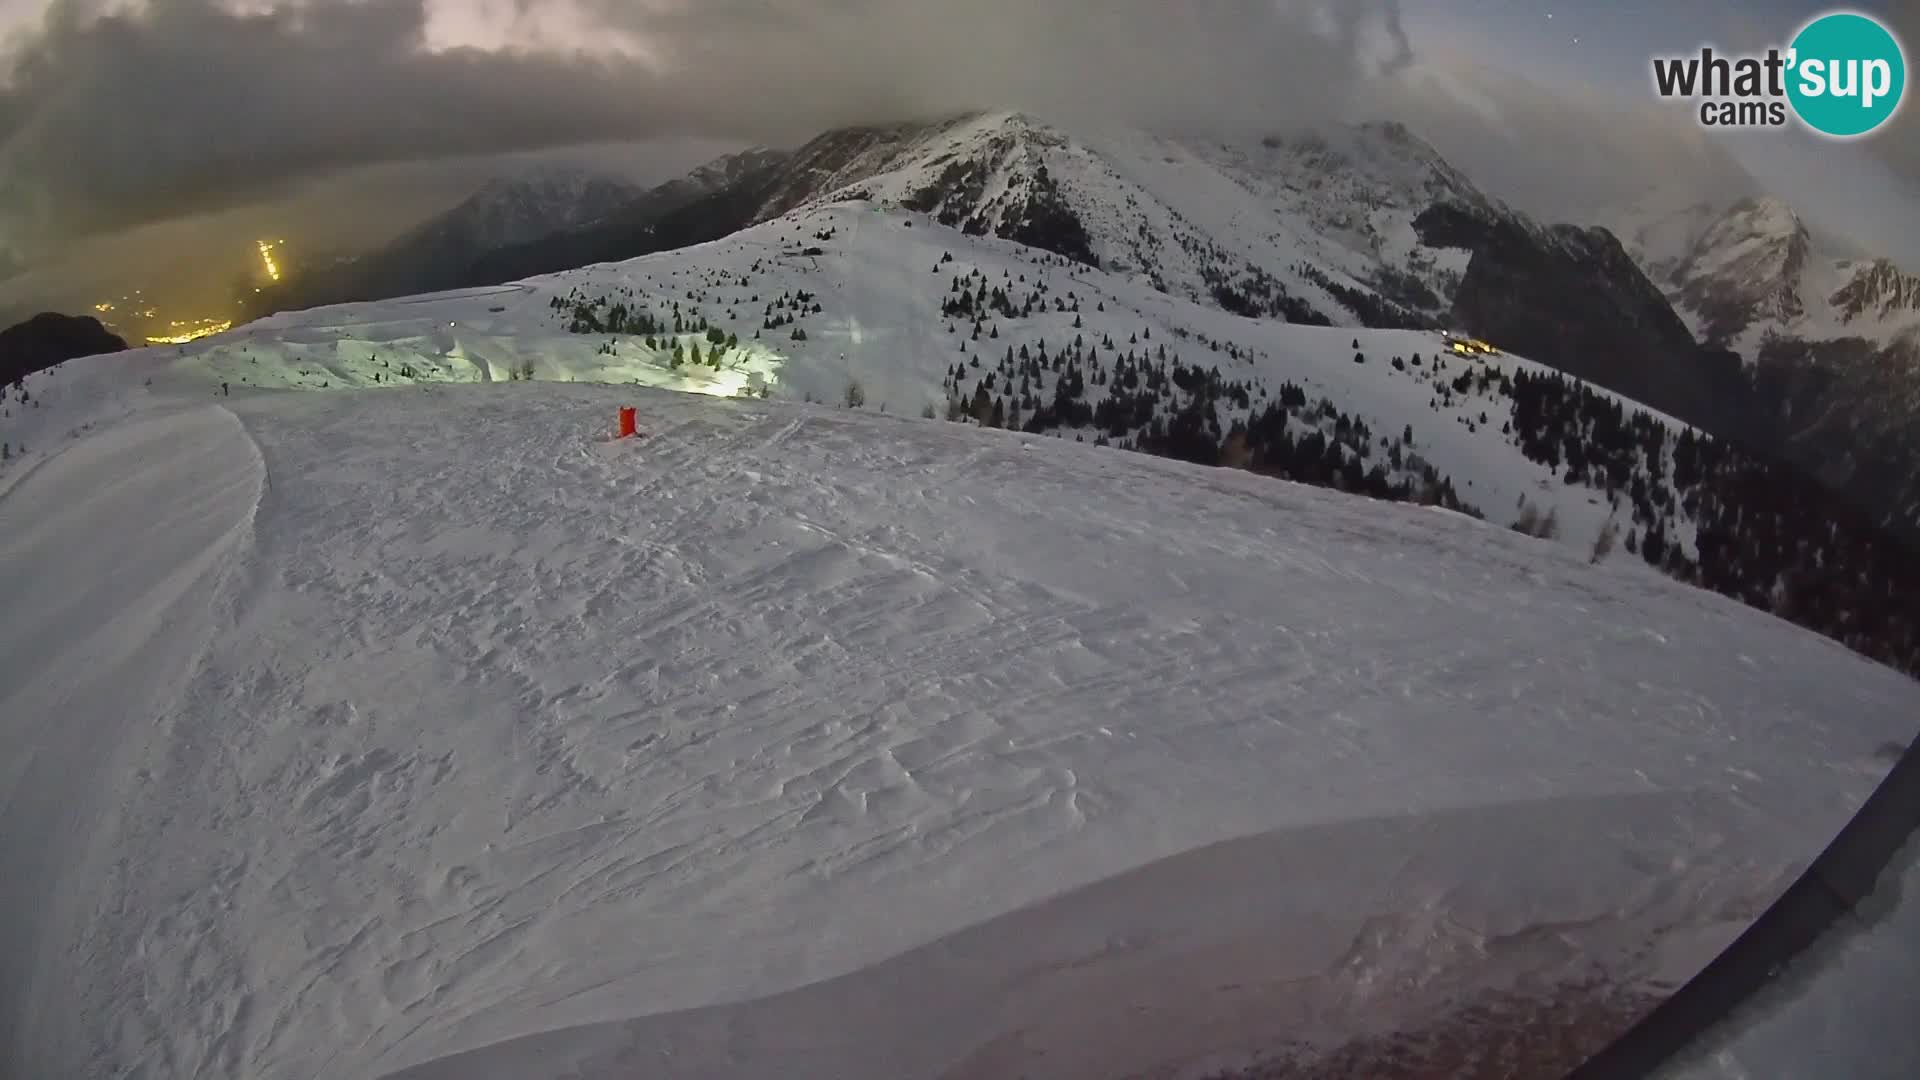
{"x":166,"y":109}
{"x":1867,"y":192}
{"x":1606,"y":45}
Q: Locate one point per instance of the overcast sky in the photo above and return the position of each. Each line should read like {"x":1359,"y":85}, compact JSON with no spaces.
{"x":130,"y":114}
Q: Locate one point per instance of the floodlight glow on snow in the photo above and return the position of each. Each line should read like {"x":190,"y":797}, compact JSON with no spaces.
{"x":746,"y":371}
{"x":728,"y":382}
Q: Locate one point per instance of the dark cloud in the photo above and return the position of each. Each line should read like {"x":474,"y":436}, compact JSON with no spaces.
{"x":124,"y":119}
{"x":1142,"y":61}
{"x":1898,"y":147}
{"x":1559,"y":154}
{"x":189,"y":264}
{"x":191,"y":107}
{"x":185,"y":106}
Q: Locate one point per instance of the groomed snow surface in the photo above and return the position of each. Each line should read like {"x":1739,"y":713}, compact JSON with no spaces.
{"x":429,"y":731}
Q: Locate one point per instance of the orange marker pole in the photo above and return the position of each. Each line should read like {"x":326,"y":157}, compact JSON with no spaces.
{"x":628,"y":422}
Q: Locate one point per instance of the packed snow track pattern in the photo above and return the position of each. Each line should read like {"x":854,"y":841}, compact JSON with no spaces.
{"x":441,"y":720}
{"x":112,"y":557}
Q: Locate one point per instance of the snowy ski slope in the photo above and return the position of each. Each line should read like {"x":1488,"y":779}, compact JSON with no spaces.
{"x":881,"y":283}
{"x":424,"y":727}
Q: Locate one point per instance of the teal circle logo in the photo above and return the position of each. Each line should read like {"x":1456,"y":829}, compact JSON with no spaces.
{"x":1847,"y":75}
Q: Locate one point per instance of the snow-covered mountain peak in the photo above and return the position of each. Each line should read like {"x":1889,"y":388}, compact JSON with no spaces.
{"x":900,"y":164}
{"x":1758,"y":238}
{"x":1877,"y":289}
{"x":1661,"y":231}
{"x":1765,"y":215}
{"x":1385,"y":159}
{"x":1335,"y":227}
{"x":1821,"y":340}
{"x":1746,"y":269}
{"x":1012,"y":122}
{"x":1753,"y":270}
{"x":1394,"y":158}
{"x":1315,"y":227}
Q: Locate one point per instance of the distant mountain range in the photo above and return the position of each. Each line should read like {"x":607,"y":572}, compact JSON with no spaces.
{"x":1724,"y":315}
{"x":1366,"y":226}
{"x":1750,"y":270}
{"x":674,"y":214}
{"x":441,"y":252}
{"x":1829,"y":340}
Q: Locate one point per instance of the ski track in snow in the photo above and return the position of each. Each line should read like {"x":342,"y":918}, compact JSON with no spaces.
{"x":440,"y":720}
{"x":109,"y":600}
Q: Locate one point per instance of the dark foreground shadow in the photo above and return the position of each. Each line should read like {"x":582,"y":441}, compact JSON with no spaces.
{"x":1430,"y":942}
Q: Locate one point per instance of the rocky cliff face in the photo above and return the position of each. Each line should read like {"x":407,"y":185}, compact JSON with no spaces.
{"x":1756,"y":271}
{"x":1746,"y":269}
{"x":1878,"y":291}
{"x":1574,"y":298}
{"x":1821,"y":347}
